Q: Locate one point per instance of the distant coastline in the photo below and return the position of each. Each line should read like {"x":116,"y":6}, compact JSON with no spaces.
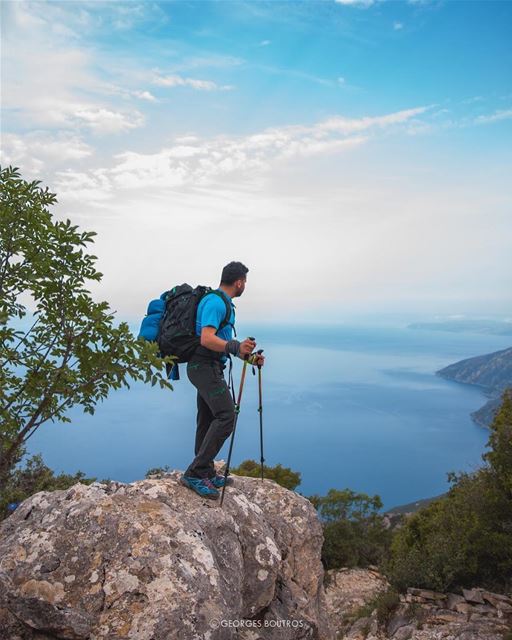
{"x":491,"y":372}
{"x":490,"y":327}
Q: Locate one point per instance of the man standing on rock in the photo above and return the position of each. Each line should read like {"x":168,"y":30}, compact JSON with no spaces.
{"x":215,"y":405}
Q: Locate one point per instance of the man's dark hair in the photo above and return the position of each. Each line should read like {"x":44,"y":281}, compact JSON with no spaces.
{"x":232,"y":272}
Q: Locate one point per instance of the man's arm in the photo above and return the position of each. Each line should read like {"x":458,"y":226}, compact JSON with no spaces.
{"x":213,"y":342}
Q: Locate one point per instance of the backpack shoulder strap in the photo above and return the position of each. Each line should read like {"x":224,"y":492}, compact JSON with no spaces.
{"x":227,"y":316}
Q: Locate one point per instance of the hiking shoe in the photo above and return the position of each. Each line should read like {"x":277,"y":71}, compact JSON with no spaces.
{"x":202,"y":486}
{"x":218,"y":481}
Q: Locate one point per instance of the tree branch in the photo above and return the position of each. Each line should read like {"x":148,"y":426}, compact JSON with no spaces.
{"x":44,"y":402}
{"x":63,"y":404}
{"x":5,"y":262}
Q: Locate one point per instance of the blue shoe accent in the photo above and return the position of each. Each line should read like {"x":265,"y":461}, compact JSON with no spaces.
{"x":202,"y":486}
{"x":218,"y":481}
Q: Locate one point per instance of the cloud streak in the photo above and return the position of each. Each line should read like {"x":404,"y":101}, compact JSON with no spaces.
{"x":36,"y":151}
{"x":203,"y":162}
{"x":77,"y":94}
{"x":357,"y":3}
{"x":497,"y":116}
{"x":71,"y":96}
{"x":172,"y":81}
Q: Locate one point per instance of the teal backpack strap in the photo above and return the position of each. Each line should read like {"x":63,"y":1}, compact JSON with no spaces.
{"x":227,"y":317}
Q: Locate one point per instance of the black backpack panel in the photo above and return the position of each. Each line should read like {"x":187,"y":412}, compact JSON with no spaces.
{"x":177,"y":333}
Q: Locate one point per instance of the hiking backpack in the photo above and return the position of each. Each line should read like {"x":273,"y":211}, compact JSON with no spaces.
{"x":171,"y":320}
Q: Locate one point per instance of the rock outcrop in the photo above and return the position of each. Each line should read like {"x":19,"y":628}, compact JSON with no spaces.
{"x":352,"y":597}
{"x":347,"y":591}
{"x":151,"y":560}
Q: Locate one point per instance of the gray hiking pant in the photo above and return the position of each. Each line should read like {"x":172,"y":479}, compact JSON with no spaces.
{"x":215,"y":414}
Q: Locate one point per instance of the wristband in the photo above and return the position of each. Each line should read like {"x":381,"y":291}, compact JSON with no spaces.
{"x":233,"y":347}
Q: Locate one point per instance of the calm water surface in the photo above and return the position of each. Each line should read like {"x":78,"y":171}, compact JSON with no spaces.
{"x":356,"y":407}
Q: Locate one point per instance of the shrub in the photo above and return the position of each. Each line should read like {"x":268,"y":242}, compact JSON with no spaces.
{"x":385,"y":603}
{"x":33,"y":477}
{"x":354,"y":531}
{"x":282,"y":475}
{"x":157,"y":471}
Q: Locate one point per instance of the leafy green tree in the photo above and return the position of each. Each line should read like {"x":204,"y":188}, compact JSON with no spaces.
{"x":58,"y":347}
{"x":500,"y":443}
{"x":282,"y":475}
{"x":347,"y":505}
{"x":354,"y":531}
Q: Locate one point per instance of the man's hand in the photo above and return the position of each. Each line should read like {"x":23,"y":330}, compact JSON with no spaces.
{"x":247,"y":346}
{"x":257,"y":359}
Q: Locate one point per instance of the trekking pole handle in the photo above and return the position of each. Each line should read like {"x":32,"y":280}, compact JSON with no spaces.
{"x":259,"y":352}
{"x":249,"y":338}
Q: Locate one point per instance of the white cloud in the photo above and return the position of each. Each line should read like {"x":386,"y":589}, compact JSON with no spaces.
{"x":79,"y":186}
{"x":318,"y":200}
{"x":39,"y":150}
{"x":179,"y":81}
{"x":348,"y":126}
{"x":359,"y":3}
{"x":472,"y":100}
{"x":144,"y":95}
{"x":312,"y":146}
{"x":209,"y":61}
{"x":101,"y":120}
{"x":57,"y":87}
{"x":397,"y":26}
{"x":264,"y":43}
{"x":78,"y":19}
{"x":373,"y":234}
{"x":128,"y":14}
{"x":501,"y":114}
{"x":381,"y":239}
{"x":201,"y":162}
{"x":127,"y":94}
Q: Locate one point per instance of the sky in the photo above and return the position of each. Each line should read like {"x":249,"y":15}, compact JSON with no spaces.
{"x":355,"y":155}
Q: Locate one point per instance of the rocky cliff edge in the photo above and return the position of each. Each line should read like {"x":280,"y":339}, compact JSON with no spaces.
{"x":151,"y":560}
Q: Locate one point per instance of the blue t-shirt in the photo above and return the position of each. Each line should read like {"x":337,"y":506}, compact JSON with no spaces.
{"x":211,"y":311}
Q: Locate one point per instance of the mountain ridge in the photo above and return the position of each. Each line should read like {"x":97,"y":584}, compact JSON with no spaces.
{"x":492,"y":372}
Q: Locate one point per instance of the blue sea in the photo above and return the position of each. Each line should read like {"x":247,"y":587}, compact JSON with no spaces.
{"x":356,"y":407}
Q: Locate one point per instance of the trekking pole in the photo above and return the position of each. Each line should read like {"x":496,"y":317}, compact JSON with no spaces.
{"x":260,"y":411}
{"x":237,"y":411}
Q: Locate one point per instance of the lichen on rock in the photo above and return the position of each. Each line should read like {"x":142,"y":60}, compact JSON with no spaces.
{"x":151,"y":560}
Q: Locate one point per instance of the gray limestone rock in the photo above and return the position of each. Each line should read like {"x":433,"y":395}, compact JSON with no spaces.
{"x":151,"y":560}
{"x":473,"y":595}
{"x":404,"y":633}
{"x":453,"y":599}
